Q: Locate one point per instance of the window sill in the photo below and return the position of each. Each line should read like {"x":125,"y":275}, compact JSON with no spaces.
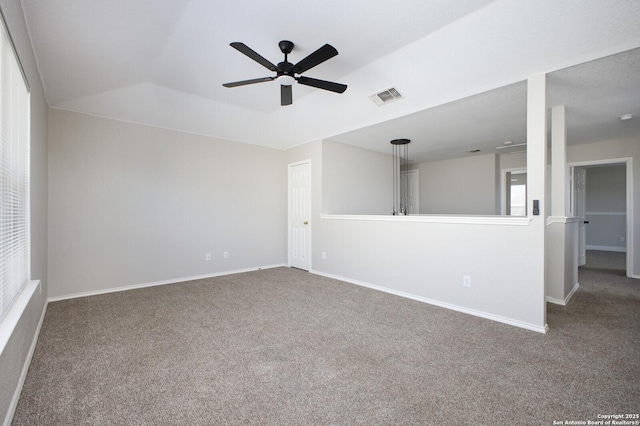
{"x":10,"y":321}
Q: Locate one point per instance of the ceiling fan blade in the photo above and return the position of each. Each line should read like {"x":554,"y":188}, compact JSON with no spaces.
{"x":286,"y":95}
{"x":322,"y":84}
{"x":319,"y":56}
{"x":245,"y":82}
{"x":243,"y":48}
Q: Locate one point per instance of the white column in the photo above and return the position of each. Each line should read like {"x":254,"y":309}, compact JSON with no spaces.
{"x":536,"y":144}
{"x":559,"y":173}
{"x":562,"y":232}
{"x":536,"y":182}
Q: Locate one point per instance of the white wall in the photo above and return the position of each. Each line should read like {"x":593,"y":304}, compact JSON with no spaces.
{"x":427,"y":257}
{"x":359,"y":181}
{"x":606,"y":195}
{"x":428,"y":261}
{"x":459,"y":186}
{"x":513,"y":161}
{"x":356,"y":180}
{"x":16,"y":352}
{"x":561,"y":274}
{"x":131,"y":204}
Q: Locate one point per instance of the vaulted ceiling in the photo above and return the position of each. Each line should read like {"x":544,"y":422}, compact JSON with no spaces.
{"x":461,"y":63}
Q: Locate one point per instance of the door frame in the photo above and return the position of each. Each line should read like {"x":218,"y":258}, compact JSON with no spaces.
{"x":503,"y":187}
{"x":573,"y":211}
{"x":310,"y":245}
{"x":628,"y":162}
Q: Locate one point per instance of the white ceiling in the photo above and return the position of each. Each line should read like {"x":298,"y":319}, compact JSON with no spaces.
{"x":459,"y":63}
{"x":595,"y":94}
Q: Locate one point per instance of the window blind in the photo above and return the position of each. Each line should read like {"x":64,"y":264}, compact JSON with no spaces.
{"x":14,"y":175}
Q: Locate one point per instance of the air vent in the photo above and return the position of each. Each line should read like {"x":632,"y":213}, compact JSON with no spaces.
{"x":472,"y":151}
{"x":386,"y":97}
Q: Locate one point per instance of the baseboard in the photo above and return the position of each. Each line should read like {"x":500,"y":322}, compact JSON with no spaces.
{"x":607,"y":248}
{"x":566,"y":299}
{"x":571,"y":293}
{"x":157,"y":283}
{"x":445,"y":305}
{"x":555,"y":301}
{"x":25,"y":369}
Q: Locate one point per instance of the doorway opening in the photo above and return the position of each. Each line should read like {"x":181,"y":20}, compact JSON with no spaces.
{"x":600,"y":195}
{"x":514,"y":192}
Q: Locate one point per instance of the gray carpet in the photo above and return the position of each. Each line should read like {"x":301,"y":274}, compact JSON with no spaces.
{"x":282,"y":346}
{"x":606,"y":261}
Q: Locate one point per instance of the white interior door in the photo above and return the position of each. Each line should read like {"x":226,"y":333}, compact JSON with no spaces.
{"x":300,"y":215}
{"x":579,"y":182}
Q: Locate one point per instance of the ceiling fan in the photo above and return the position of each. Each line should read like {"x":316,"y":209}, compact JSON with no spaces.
{"x":286,"y":71}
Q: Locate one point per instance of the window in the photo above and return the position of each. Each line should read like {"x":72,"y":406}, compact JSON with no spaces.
{"x":14,"y":175}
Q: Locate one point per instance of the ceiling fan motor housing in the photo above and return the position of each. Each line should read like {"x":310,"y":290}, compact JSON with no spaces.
{"x":285,"y":67}
{"x":286,"y":71}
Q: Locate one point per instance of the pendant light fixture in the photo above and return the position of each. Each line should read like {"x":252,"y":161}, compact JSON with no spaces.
{"x":400,"y":157}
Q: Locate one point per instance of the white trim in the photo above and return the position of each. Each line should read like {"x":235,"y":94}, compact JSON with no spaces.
{"x":628,"y":161}
{"x":562,"y":219}
{"x":566,"y":299}
{"x":25,"y":369}
{"x":468,"y":220}
{"x":157,"y":283}
{"x":601,"y":162}
{"x":555,"y":301}
{"x":607,"y":248}
{"x":16,"y":309}
{"x":445,"y":305}
{"x":571,"y":293}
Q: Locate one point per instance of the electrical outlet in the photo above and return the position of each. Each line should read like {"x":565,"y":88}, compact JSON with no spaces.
{"x":466,"y":281}
{"x":225,"y":255}
{"x":324,"y":255}
{"x":622,"y":239}
{"x":207,"y":256}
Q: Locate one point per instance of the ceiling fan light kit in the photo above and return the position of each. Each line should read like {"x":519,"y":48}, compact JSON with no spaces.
{"x":286,"y":71}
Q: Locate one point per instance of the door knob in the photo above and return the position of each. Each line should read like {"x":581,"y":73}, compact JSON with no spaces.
{"x":306,"y":222}
{"x":586,"y":221}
